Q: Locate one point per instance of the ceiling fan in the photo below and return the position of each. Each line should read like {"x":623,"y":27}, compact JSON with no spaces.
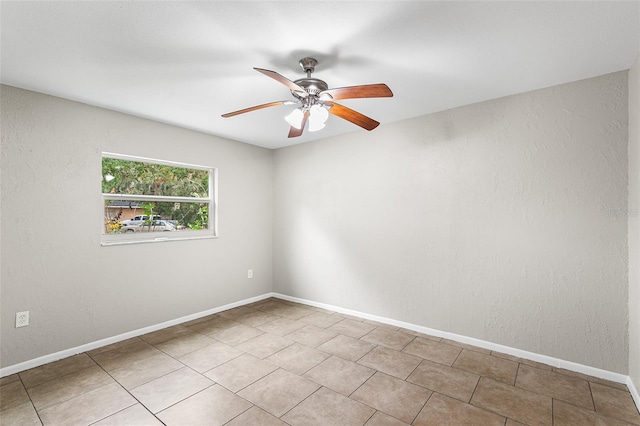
{"x":316,"y":100}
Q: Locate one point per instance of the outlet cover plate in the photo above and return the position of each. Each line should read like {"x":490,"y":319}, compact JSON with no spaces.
{"x":22,"y":319}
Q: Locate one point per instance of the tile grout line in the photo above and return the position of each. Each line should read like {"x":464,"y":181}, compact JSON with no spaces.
{"x":593,"y":400}
{"x":414,"y":368}
{"x":30,"y":400}
{"x":239,"y":414}
{"x":300,"y":402}
{"x":362,"y":384}
{"x":423,"y":405}
{"x":515,"y":380}
{"x":370,"y":417}
{"x":184,"y":399}
{"x":126,"y":390}
{"x":367,"y":353}
{"x":458,"y":356}
{"x":475,"y":388}
{"x":490,"y":410}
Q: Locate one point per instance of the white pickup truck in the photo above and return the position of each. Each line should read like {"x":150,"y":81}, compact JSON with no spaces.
{"x":138,"y":220}
{"x":149,"y":226}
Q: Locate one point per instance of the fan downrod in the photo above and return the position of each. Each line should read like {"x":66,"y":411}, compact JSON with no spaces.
{"x":308,"y":65}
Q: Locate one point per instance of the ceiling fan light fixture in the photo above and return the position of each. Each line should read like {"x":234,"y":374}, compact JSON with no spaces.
{"x":315,"y":125}
{"x":320,"y":112}
{"x":318,"y":116}
{"x":295,"y":118}
{"x":316,"y":101}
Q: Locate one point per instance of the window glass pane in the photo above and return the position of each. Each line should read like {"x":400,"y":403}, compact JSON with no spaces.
{"x":138,"y":178}
{"x":144,"y":216}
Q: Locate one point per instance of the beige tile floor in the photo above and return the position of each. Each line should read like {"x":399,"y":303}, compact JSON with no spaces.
{"x":277,"y":363}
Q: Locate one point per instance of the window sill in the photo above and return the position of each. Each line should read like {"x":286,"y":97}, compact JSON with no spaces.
{"x":121,"y":242}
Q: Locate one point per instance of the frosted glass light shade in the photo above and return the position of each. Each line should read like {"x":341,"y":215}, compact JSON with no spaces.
{"x":315,"y":125}
{"x":317,"y":118}
{"x":295,"y":118}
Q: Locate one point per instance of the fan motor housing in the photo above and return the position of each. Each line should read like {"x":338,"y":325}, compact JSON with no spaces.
{"x":312,"y":86}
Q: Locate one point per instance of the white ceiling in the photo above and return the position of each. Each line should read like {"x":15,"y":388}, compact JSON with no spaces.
{"x":186,"y":63}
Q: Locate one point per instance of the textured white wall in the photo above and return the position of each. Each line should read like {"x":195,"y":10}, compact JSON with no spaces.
{"x":499,"y":221}
{"x":634,"y":223}
{"x":52,"y":262}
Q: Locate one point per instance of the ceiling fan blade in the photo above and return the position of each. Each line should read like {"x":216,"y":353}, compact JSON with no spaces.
{"x":257,"y":107}
{"x":293,"y":132}
{"x":283,"y":80}
{"x":364,"y":91}
{"x":353,"y":116}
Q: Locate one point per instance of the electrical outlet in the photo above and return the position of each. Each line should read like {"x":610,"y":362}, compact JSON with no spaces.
{"x":22,"y":319}
{"x":250,"y":273}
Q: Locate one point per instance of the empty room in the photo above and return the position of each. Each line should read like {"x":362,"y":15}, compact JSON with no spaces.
{"x":185,"y":241}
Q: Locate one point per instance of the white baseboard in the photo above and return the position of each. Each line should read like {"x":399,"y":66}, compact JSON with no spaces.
{"x":554,"y":362}
{"x":36,"y":362}
{"x":634,"y":392}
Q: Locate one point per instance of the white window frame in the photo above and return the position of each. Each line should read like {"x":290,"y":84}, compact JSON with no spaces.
{"x":155,"y":237}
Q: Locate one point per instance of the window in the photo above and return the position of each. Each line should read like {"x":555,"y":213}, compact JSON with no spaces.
{"x":147,"y":200}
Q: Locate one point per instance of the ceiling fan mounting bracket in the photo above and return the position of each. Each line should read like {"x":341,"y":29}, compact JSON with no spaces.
{"x":308,"y":65}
